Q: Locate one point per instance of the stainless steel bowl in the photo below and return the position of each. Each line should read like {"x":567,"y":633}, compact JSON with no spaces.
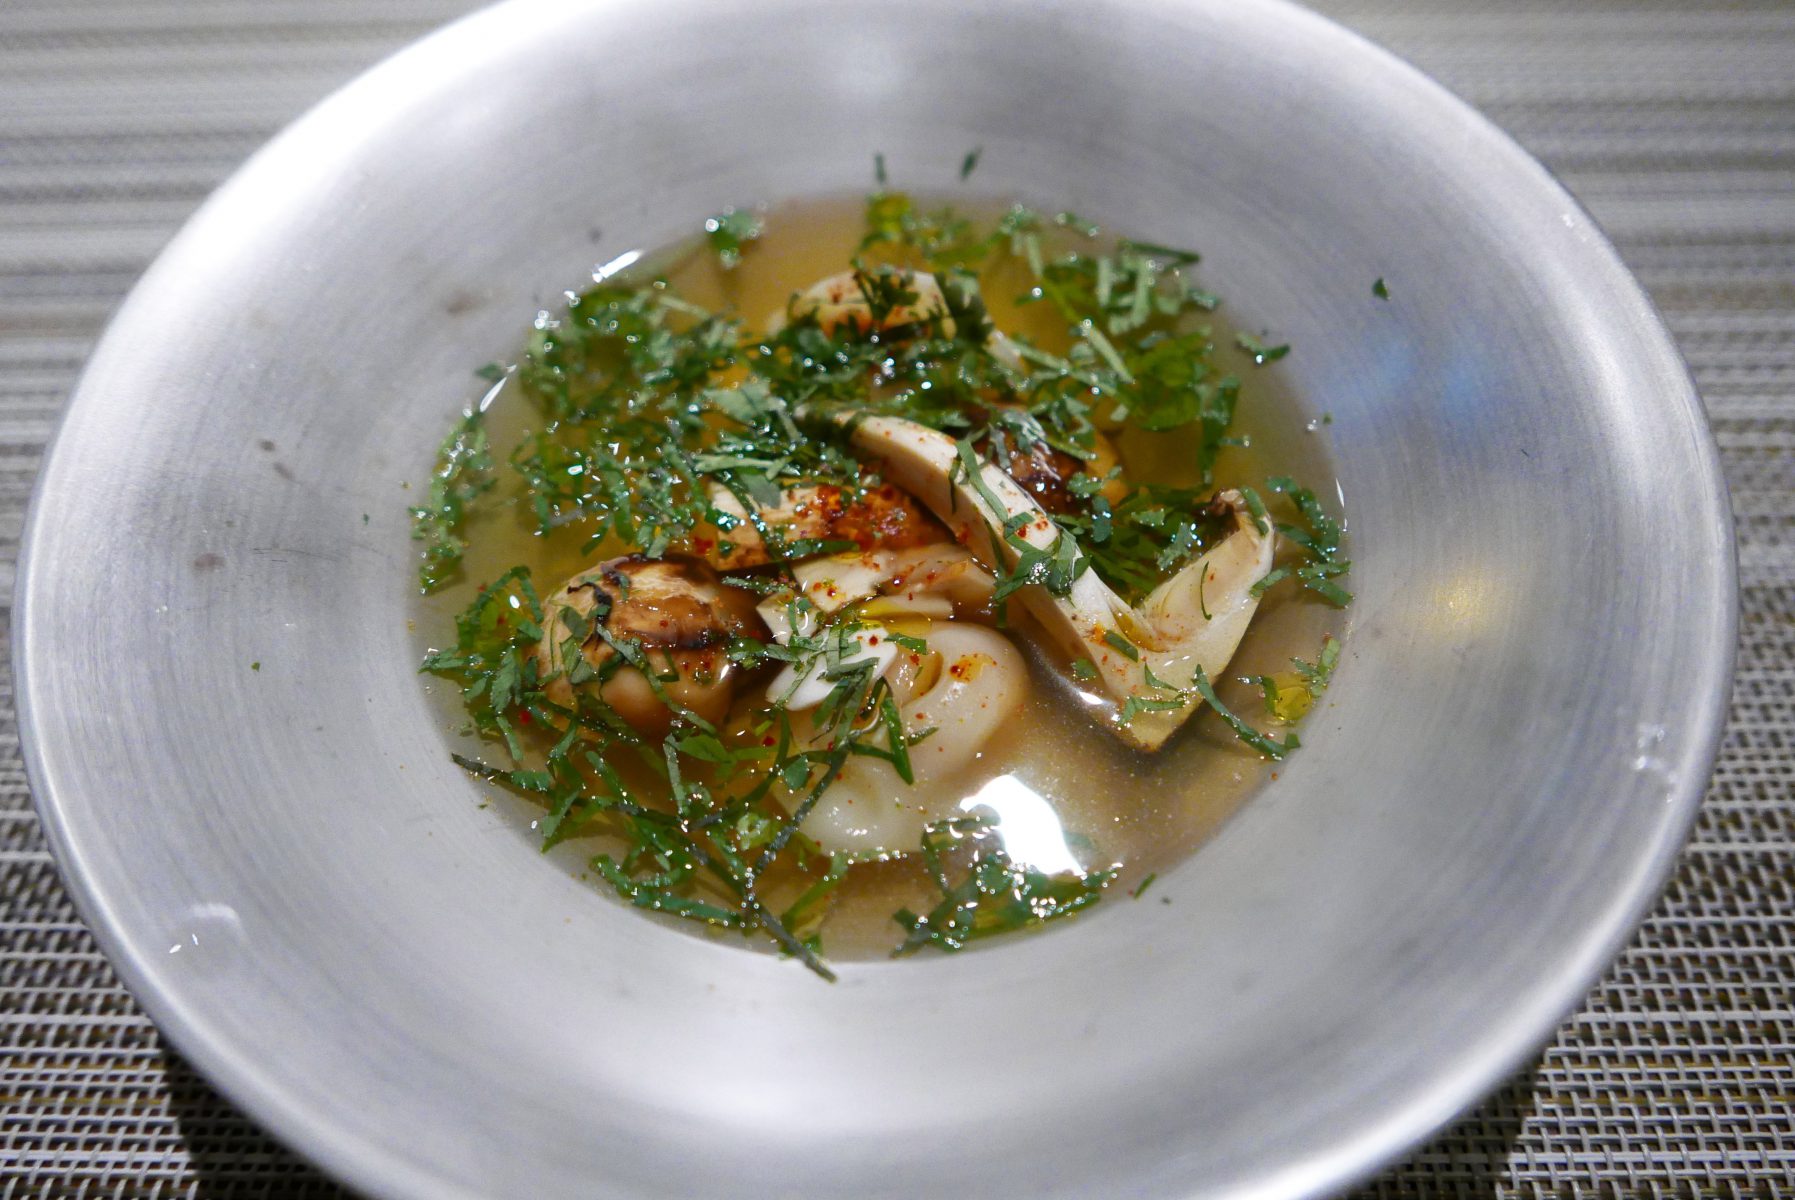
{"x":308,"y":898}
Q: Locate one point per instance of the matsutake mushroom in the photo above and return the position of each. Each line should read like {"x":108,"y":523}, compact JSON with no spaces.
{"x":1148,"y":652}
{"x":942,"y":580}
{"x":908,"y":302}
{"x":878,"y":516}
{"x":672,"y":615}
{"x":1047,"y":474}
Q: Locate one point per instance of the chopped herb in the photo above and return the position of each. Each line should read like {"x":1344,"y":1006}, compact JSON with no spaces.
{"x":993,"y":895}
{"x":1141,"y":888}
{"x":463,"y":473}
{"x":1261,"y":353}
{"x":1319,"y":538}
{"x":1122,"y":645}
{"x":1134,"y":706}
{"x":1269,"y":747}
{"x":1255,"y":508}
{"x":1290,"y":698}
{"x":970,"y":162}
{"x":729,"y":232}
{"x":1272,"y":578}
{"x":1317,"y":675}
{"x":1089,"y":229}
{"x":1379,"y":290}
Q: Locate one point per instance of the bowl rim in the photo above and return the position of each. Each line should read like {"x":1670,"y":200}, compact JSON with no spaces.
{"x":342,"y":1150}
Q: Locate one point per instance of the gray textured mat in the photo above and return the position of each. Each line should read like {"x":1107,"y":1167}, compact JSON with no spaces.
{"x":1675,"y":124}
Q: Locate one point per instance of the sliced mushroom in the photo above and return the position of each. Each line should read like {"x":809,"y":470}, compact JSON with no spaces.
{"x":1194,"y":619}
{"x":898,"y":588}
{"x":881,"y":516}
{"x":940,"y":580}
{"x":1046,"y":473}
{"x":680,"y":615}
{"x":842,"y":300}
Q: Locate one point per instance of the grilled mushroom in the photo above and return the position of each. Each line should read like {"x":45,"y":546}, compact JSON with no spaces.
{"x":1194,"y":619}
{"x":674,"y":616}
{"x":847,"y":299}
{"x":880,"y":516}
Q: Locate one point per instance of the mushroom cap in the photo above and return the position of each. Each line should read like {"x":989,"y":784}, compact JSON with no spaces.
{"x":877,"y":516}
{"x":841,"y":300}
{"x":1046,"y":473}
{"x":677,"y":610}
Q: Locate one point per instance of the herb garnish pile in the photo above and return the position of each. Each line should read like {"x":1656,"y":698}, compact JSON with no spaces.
{"x":645,"y":405}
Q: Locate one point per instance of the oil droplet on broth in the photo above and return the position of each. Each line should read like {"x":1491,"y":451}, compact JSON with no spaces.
{"x":1065,"y":791}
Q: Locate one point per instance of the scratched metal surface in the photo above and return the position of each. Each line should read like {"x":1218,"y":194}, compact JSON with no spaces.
{"x":1673,"y":123}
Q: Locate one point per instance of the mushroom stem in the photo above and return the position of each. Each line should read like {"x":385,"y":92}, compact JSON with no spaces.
{"x":1148,"y":652}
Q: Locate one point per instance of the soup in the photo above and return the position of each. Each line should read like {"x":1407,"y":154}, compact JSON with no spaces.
{"x":874,"y":577}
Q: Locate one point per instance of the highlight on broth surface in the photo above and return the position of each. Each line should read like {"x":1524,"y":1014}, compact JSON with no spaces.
{"x":857,"y":584}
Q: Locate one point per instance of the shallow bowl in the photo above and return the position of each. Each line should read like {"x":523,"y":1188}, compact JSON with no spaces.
{"x":250,"y":796}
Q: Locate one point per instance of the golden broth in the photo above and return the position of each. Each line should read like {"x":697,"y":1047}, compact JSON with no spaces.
{"x":1105,"y":803}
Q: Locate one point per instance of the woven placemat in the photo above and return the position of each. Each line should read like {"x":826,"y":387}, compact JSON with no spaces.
{"x":1674,"y":123}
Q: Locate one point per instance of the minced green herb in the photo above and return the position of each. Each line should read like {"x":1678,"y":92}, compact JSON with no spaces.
{"x":1317,"y":675}
{"x":729,"y":233}
{"x":1261,"y":352}
{"x":1272,"y":748}
{"x":463,"y":473}
{"x":989,"y":894}
{"x":1290,"y":698}
{"x":1320,"y":539}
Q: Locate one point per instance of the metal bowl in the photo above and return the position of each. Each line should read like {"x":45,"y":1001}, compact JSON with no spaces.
{"x":310,"y":901}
